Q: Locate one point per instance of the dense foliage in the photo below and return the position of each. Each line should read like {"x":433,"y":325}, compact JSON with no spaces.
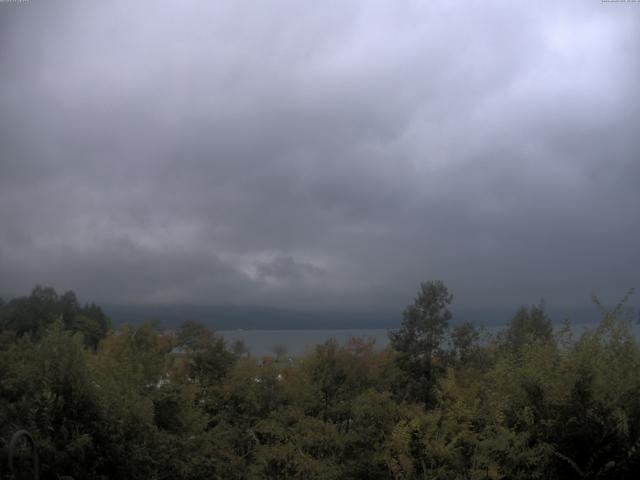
{"x":440,"y":403}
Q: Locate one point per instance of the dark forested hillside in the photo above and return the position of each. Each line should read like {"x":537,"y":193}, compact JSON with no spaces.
{"x":441,"y":402}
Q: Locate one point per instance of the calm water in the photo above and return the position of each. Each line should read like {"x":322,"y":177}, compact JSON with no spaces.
{"x":297,"y":342}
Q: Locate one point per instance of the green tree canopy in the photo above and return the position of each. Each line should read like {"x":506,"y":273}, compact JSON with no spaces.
{"x":419,"y":340}
{"x":528,"y":325}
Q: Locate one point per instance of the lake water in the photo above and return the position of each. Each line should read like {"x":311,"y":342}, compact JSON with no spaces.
{"x":299,"y":342}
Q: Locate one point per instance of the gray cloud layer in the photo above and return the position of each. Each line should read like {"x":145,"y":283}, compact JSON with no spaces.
{"x":321,"y":154}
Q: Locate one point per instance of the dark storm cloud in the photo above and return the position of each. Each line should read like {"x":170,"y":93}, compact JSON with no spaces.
{"x":328,"y":155}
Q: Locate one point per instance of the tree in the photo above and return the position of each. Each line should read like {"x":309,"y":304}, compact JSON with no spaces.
{"x":209,"y":364}
{"x":93,"y":323}
{"x":529,"y":325}
{"x":194,"y":335}
{"x":68,"y":307}
{"x":464,"y":339}
{"x":32,"y":316}
{"x":418,"y":342}
{"x":208,"y":359}
{"x":240,"y":349}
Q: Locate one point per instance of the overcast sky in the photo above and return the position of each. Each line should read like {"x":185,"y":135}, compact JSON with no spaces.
{"x":330,"y":155}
